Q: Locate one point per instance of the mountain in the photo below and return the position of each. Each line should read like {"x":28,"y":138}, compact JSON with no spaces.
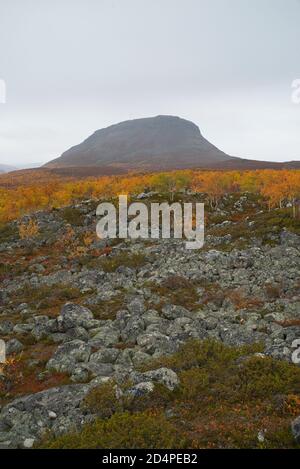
{"x":30,"y":165}
{"x":5,"y":168}
{"x":162,"y":142}
{"x":154,"y":143}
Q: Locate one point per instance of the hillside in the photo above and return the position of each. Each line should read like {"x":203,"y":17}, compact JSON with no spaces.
{"x":162,"y":142}
{"x":151,"y":144}
{"x":143,"y":343}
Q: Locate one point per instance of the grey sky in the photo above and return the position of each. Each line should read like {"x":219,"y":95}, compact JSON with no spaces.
{"x":74,"y":66}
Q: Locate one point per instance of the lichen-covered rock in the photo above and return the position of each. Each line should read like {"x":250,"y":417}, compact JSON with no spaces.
{"x":73,"y":315}
{"x":155,"y":342}
{"x":141,"y":389}
{"x":30,"y":417}
{"x":164,"y":376}
{"x":105,"y":355}
{"x":106,"y":336}
{"x":13,"y":346}
{"x":68,"y":355}
{"x":6,"y":327}
{"x":296,"y":429}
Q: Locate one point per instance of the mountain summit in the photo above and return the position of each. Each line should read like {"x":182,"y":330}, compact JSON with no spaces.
{"x":162,"y":142}
{"x":151,"y":144}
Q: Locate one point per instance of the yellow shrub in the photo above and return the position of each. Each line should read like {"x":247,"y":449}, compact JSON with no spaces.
{"x":28,"y":230}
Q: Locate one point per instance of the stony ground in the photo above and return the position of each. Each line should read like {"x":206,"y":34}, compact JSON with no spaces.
{"x":80,"y":315}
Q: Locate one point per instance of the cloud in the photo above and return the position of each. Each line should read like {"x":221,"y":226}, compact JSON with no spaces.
{"x":75,"y":66}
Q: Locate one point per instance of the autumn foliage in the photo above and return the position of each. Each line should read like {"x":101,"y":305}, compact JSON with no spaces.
{"x":29,"y":193}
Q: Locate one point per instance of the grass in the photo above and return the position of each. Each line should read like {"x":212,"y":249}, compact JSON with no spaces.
{"x":226,"y":396}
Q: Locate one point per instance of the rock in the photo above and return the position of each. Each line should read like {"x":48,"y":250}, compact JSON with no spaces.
{"x":22,"y":328}
{"x":6,"y":327}
{"x":145,"y":195}
{"x":41,"y":320}
{"x":99,"y":369}
{"x":99,"y":381}
{"x":40,"y":332}
{"x":140,"y":358}
{"x":21,"y":307}
{"x":3,"y":297}
{"x":290,"y":239}
{"x":38,"y":268}
{"x":68,"y":355}
{"x":73,"y":315}
{"x":29,"y":417}
{"x":59,"y":337}
{"x":247,"y":295}
{"x":134,"y":327}
{"x":151,"y":317}
{"x":156,"y":342}
{"x":237,"y":335}
{"x":105,"y":356}
{"x":77,"y":333}
{"x":14,"y":346}
{"x":136,"y":306}
{"x":106,"y":336}
{"x":80,"y":375}
{"x":141,"y":389}
{"x":165,"y":376}
{"x":296,"y":429}
{"x":28,"y":442}
{"x":173,"y":311}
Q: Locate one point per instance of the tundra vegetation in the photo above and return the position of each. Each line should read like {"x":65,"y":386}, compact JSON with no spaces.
{"x":142,"y":343}
{"x":42,"y":190}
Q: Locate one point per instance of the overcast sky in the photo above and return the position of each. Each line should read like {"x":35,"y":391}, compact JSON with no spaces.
{"x":74,"y":66}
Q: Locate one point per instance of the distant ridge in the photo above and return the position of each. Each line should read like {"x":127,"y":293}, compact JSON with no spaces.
{"x":5,"y":168}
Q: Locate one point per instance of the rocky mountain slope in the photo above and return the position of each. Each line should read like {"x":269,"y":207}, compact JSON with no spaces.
{"x":161,"y":142}
{"x":88,"y":321}
{"x":151,"y":144}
